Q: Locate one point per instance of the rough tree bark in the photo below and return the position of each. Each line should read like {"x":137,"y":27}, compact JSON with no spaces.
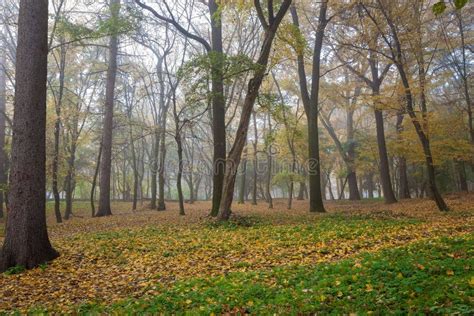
{"x":26,"y":237}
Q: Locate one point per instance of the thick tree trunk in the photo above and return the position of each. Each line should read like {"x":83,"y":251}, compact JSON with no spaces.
{"x":26,"y":237}
{"x":106,"y":161}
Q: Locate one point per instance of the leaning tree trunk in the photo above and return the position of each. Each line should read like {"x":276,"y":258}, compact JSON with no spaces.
{"x":106,"y":161}
{"x":26,"y":237}
{"x":254,"y":84}
{"x":3,"y":156}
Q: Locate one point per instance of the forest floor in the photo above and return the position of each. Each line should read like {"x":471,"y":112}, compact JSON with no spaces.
{"x":358,"y":257}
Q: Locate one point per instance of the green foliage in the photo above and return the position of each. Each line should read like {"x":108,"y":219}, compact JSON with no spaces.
{"x":199,"y":71}
{"x":120,"y":24}
{"x":287,"y":177}
{"x":15,"y":270}
{"x":439,"y":7}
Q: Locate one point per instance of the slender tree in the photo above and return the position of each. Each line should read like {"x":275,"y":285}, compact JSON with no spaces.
{"x":3,"y":156}
{"x":311,"y":105}
{"x":108,"y":124}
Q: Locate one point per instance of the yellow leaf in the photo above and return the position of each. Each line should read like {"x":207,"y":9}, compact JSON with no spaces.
{"x":471,"y":281}
{"x":450,"y":272}
{"x":368,"y":288}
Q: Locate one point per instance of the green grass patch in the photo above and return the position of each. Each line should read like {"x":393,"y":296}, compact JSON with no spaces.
{"x":434,"y":277}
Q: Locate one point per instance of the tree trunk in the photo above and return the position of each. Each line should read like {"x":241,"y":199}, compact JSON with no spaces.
{"x":180,"y":173}
{"x":243,"y":177}
{"x":26,"y":237}
{"x":269,"y":167}
{"x":70,"y":180}
{"x":94,"y":180}
{"x":154,"y":168}
{"x":254,"y":84}
{"x":388,"y":194}
{"x":331,"y":194}
{"x":106,"y":161}
{"x":460,"y":166}
{"x":403,"y":188}
{"x":134,"y":166}
{"x":371,"y":186}
{"x":161,"y":170}
{"x":352,"y":177}
{"x":301,"y":192}
{"x":311,"y":105}
{"x":3,"y":156}
{"x":57,"y":130}
{"x":255,"y":161}
{"x":218,"y":106}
